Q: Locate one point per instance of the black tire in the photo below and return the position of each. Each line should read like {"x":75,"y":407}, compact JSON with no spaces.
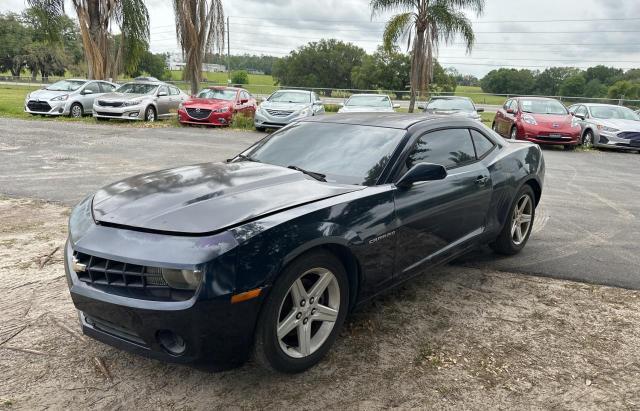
{"x":569,"y":147}
{"x":261,"y":129}
{"x":150,"y":114}
{"x":267,"y":348}
{"x":513,"y":134}
{"x":587,"y":139}
{"x":76,"y":110}
{"x":504,"y":243}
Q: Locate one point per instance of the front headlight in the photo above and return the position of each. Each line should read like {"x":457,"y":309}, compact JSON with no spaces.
{"x":528,"y":118}
{"x":221,"y":110}
{"x":182,"y":279}
{"x":132,"y":103}
{"x":305,"y":112}
{"x":607,"y":129}
{"x":60,"y":98}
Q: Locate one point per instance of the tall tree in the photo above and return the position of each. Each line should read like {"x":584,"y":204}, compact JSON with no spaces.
{"x":96,"y":19}
{"x":14,"y":45}
{"x":200,"y":28}
{"x":424,"y":24}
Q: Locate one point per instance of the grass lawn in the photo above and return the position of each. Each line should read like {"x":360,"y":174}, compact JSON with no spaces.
{"x":472,"y":93}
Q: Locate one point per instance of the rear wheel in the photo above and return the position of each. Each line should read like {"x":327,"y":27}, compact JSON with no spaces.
{"x":76,"y":110}
{"x":517,"y":228}
{"x":303,"y":313}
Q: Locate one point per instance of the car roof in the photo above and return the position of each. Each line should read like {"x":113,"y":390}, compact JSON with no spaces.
{"x":224,"y":88}
{"x":385,"y":120}
{"x":450,"y":98}
{"x":294,"y":91}
{"x":365,"y":94}
{"x":598,"y":105}
{"x":535,"y":98}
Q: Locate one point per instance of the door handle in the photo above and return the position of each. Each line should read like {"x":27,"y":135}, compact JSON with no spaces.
{"x":482,"y":180}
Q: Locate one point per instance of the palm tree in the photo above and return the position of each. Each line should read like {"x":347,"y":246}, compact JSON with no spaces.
{"x":199,"y":26}
{"x":424,"y":24}
{"x":96,"y":19}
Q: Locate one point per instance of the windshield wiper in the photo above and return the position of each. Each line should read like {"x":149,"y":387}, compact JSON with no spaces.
{"x":244,"y":157}
{"x":317,"y":176}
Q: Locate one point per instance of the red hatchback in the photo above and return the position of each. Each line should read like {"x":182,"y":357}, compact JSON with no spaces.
{"x":537,"y":119}
{"x":216,"y":106}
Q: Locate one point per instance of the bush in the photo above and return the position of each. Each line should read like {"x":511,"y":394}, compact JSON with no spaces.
{"x":240,"y":77}
{"x":242,"y":122}
{"x":331,"y":108}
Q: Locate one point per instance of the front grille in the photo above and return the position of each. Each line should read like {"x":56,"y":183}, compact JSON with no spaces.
{"x":113,"y":329}
{"x":279,"y":113}
{"x":127,"y":279}
{"x":630,"y":135}
{"x":107,"y":114}
{"x":40,"y":106}
{"x":109,"y":103}
{"x":198,"y":113}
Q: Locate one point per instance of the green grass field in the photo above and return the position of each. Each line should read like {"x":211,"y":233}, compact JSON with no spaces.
{"x":472,"y":93}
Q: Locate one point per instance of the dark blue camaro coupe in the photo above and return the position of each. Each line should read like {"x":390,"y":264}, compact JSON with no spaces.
{"x":268,"y":252}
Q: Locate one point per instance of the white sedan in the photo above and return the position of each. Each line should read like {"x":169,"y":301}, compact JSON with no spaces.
{"x":368,"y":103}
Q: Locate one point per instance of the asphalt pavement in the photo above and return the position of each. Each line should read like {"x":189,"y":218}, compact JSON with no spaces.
{"x":587,"y":226}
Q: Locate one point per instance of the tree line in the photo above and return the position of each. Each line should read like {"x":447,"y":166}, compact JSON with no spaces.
{"x":595,"y":82}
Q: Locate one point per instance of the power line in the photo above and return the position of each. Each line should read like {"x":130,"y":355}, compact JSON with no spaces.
{"x":473,"y":21}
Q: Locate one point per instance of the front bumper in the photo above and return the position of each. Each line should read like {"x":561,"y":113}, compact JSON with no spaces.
{"x":550,"y":136}
{"x":265,"y":120}
{"x":214,"y":119}
{"x":216,"y":334}
{"x":123,"y":113}
{"x":612,"y":140}
{"x":49,"y":108}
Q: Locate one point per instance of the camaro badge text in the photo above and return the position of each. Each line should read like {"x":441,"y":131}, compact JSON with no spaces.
{"x":382,"y":237}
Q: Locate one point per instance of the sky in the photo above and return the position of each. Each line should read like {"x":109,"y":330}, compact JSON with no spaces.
{"x":531,"y":34}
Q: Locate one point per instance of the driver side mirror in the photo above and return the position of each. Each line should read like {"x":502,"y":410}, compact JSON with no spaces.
{"x":398,"y":106}
{"x":87,"y":92}
{"x":480,"y":110}
{"x":511,"y":111}
{"x":421,"y":106}
{"x":162,"y":93}
{"x":244,"y":101}
{"x":580,"y":116}
{"x":422,"y":172}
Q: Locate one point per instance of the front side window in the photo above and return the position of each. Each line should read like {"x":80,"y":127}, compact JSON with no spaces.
{"x":137,"y":88}
{"x":613,"y":112}
{"x":482,"y":143}
{"x":94,"y":87}
{"x":174,"y":90}
{"x":582,"y":111}
{"x":107,"y":88}
{"x":290,"y":97}
{"x":450,"y":148}
{"x":345,"y":153}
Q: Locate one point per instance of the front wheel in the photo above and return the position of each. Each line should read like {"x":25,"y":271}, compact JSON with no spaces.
{"x":587,"y":139}
{"x":150,"y":114}
{"x":514,"y":133}
{"x":76,"y":110}
{"x":517,"y":228}
{"x":261,"y":129}
{"x":303,"y":313}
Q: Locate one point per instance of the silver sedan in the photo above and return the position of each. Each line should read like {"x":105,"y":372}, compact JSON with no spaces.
{"x":287,"y":106}
{"x":368,"y":103}
{"x":605,"y":125}
{"x":72,"y":97}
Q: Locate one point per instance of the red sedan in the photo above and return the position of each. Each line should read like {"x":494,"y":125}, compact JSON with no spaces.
{"x":216,"y":106}
{"x":537,"y":119}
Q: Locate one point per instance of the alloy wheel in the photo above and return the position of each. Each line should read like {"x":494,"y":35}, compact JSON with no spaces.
{"x":521,"y":219}
{"x":514,"y":133}
{"x":308,"y":313}
{"x":150,"y":115}
{"x":587,"y":140}
{"x":76,"y":111}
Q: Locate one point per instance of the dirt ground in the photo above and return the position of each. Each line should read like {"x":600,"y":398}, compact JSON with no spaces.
{"x":455,"y":338}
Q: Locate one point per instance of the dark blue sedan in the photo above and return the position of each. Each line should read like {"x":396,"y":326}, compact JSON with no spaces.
{"x":267,"y":253}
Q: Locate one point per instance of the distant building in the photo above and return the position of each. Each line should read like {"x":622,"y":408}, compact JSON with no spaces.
{"x":175,"y":62}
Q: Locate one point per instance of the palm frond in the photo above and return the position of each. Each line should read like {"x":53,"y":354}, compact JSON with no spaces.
{"x":397,"y":28}
{"x":51,"y":7}
{"x":133,"y":18}
{"x":448,"y":23}
{"x":381,"y":6}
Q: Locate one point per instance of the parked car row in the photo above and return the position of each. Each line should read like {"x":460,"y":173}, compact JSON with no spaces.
{"x":547,"y":121}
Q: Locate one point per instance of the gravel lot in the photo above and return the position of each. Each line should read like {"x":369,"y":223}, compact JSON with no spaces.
{"x":480,"y":333}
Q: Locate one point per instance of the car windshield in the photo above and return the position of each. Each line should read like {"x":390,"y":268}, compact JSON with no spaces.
{"x":66,"y":85}
{"x":368,"y":101}
{"x":290,"y":97}
{"x":454,"y":104}
{"x":542,"y":107}
{"x":137,"y":88}
{"x":218,"y":94}
{"x":613,"y":112}
{"x":344,"y":153}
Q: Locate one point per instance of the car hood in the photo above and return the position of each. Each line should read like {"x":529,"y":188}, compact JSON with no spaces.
{"x":470,"y":114}
{"x":549,"y":120}
{"x":206,"y":198}
{"x":284,"y":106}
{"x":47,"y":94}
{"x":620,"y":124}
{"x":122,"y":96}
{"x":365,"y":109}
{"x":208,"y":103}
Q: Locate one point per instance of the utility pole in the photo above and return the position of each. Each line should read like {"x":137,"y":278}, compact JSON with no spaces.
{"x":228,"y":52}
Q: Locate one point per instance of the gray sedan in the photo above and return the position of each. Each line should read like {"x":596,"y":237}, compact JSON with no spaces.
{"x":140,"y":100}
{"x":453,"y":105}
{"x":605,"y":125}
{"x":368,"y":103}
{"x":286,"y":106}
{"x":72,"y":97}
